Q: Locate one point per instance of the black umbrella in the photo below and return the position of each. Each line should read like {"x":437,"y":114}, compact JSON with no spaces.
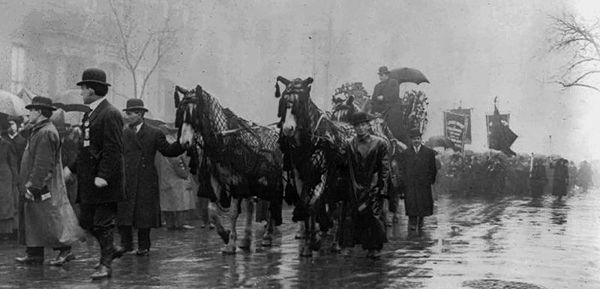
{"x":407,"y":74}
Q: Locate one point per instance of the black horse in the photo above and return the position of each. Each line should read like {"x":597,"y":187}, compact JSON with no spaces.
{"x":239,"y":161}
{"x":313,"y":161}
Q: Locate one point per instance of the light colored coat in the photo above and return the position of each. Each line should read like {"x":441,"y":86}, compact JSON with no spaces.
{"x":177,"y":188}
{"x":52,"y":222}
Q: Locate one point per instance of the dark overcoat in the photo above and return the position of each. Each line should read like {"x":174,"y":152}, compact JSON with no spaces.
{"x":390,"y":91}
{"x":18,"y":143}
{"x":418,"y":174}
{"x":142,"y":207}
{"x":8,"y":180}
{"x":100,"y":156}
{"x":561,"y":179}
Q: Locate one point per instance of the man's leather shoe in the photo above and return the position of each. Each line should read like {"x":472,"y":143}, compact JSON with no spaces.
{"x":142,"y":252}
{"x":62,"y":258}
{"x":120,"y":251}
{"x":101,"y":273}
{"x":30,"y":260}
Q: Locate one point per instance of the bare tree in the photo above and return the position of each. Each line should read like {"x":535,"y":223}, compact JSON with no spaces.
{"x":582,"y":41}
{"x":142,"y":43}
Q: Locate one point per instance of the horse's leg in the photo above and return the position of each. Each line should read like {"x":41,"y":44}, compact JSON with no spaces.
{"x":301,"y":233}
{"x":336,"y":216}
{"x":214,"y":217}
{"x":305,"y":250}
{"x":233,"y":215}
{"x":267,"y":239}
{"x":247,"y":240}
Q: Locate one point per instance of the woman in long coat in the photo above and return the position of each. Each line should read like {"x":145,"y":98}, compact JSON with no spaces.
{"x":177,"y":188}
{"x":49,"y":219}
{"x":8,"y":183}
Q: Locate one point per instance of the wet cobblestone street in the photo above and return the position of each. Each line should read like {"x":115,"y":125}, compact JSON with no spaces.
{"x":468,"y":243}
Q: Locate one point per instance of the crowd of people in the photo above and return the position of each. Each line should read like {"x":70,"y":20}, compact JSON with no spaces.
{"x":113,"y":172}
{"x":121,"y":173}
{"x":494,"y":173}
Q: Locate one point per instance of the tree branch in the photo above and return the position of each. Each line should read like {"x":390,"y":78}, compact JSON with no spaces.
{"x":567,"y":85}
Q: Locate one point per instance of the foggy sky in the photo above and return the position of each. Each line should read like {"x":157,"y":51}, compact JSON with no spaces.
{"x":471,"y":51}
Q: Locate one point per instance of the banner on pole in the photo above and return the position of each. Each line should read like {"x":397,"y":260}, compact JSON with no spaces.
{"x":456,"y":126}
{"x":466,"y":112}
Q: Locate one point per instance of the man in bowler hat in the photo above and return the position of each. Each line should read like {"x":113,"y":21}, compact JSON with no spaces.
{"x":141,"y":210}
{"x":99,"y":167}
{"x":385,"y":93}
{"x":418,"y":173}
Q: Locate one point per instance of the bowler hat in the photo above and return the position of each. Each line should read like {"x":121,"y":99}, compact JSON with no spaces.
{"x":40,"y":102}
{"x":383,"y":70}
{"x":415,"y":132}
{"x":360,"y":117}
{"x":135,"y":104}
{"x":93,"y":75}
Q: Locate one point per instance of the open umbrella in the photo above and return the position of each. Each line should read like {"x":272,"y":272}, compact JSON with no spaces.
{"x":407,"y":74}
{"x":439,"y":141}
{"x":11,"y":104}
{"x":70,"y":96}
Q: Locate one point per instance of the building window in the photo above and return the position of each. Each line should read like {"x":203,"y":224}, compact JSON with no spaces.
{"x":17,"y":76}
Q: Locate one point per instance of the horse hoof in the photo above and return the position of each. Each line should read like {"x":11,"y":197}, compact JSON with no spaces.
{"x":225,"y":236}
{"x":245,"y":244}
{"x":305,"y":251}
{"x":267,"y":242}
{"x":335,"y":248}
{"x":228,"y":250}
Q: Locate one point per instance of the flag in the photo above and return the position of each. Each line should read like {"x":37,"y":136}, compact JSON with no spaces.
{"x":467,"y":113}
{"x":500,"y":136}
{"x":455,"y":128}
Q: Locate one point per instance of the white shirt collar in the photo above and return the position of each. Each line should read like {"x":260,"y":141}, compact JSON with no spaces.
{"x":138,"y":127}
{"x":96,"y":102}
{"x":13,"y":136}
{"x":417,"y":148}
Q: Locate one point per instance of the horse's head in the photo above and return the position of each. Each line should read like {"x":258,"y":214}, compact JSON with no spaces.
{"x":187,"y":117}
{"x":293,"y":104}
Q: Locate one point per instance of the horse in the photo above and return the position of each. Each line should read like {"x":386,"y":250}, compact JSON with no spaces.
{"x":311,"y":143}
{"x":240,"y":160}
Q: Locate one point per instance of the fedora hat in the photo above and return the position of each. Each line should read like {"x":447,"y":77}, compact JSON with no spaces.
{"x":383,"y":70}
{"x":93,"y":75}
{"x":135,"y":104}
{"x":40,"y":102}
{"x":360,"y":117}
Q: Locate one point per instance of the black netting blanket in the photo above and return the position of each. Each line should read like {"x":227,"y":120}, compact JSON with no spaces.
{"x":249,"y":148}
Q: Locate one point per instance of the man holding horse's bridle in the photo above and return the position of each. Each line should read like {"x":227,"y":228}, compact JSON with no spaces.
{"x":368,"y":170}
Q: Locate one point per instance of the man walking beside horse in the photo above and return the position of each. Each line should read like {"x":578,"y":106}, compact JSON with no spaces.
{"x":142,"y":209}
{"x":368,"y":169}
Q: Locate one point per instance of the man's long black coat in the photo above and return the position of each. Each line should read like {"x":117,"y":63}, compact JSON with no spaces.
{"x":418,"y":174}
{"x":142,"y":207}
{"x":102,"y":158}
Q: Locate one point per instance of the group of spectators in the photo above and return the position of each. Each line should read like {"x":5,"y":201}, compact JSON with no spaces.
{"x":493,"y":173}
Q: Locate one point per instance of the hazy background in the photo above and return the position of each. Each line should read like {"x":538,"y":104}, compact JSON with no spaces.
{"x":471,"y":51}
